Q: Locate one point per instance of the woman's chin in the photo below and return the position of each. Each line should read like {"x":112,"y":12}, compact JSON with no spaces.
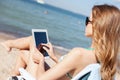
{"x":88,"y":35}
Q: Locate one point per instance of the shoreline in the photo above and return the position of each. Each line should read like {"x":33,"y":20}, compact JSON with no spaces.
{"x":6,"y":36}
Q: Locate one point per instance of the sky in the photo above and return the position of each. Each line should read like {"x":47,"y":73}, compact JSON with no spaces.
{"x":81,"y":6}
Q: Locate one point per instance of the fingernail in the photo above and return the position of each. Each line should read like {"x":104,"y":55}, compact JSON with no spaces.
{"x":43,"y":47}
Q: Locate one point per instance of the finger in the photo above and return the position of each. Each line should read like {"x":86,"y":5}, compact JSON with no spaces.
{"x":36,"y":61}
{"x":46,"y":49}
{"x":50,"y":45}
{"x":46,"y":45}
{"x":36,"y":51}
{"x":34,"y":56}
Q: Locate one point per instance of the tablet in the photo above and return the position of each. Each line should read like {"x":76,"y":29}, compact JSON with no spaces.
{"x":40,"y":36}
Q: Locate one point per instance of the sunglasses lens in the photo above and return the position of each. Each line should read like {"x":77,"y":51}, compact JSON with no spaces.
{"x":87,"y":20}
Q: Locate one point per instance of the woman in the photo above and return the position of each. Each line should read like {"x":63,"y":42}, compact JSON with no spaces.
{"x":103,"y":27}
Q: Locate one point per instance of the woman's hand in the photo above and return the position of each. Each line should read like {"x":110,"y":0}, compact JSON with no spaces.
{"x":37,"y":56}
{"x":6,"y":45}
{"x":50,"y":51}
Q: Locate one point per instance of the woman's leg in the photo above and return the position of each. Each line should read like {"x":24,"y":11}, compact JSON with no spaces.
{"x":22,"y":61}
{"x":25,"y":61}
{"x":32,"y":66}
{"x":21,"y":43}
{"x":25,"y":58}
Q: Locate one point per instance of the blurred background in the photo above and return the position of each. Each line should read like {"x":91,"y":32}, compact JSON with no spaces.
{"x":64,"y":19}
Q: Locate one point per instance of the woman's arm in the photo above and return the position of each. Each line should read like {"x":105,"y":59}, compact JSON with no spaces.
{"x":20,"y":43}
{"x":69,"y":63}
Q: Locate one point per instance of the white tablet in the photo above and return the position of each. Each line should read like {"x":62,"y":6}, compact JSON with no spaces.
{"x":40,"y":36}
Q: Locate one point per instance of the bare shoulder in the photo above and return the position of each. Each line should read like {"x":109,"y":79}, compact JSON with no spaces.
{"x":82,"y":53}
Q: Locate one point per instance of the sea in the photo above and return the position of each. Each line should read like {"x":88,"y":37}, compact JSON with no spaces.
{"x":65,"y":28}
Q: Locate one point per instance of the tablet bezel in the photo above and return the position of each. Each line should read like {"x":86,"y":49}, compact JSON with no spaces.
{"x":40,"y":30}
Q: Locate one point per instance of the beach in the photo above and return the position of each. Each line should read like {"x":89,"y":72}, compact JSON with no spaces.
{"x":18,"y":17}
{"x":8,"y":59}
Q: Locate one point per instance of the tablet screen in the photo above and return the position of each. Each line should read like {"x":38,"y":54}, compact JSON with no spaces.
{"x":40,"y":36}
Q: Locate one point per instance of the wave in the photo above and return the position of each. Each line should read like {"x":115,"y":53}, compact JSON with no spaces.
{"x":40,"y":1}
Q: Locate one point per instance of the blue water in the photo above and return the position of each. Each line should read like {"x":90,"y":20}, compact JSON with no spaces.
{"x":65,"y":29}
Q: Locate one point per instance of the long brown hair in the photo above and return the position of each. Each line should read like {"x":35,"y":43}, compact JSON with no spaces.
{"x":106,"y":38}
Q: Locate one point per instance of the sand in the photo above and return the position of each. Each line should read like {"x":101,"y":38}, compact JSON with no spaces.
{"x":8,"y":59}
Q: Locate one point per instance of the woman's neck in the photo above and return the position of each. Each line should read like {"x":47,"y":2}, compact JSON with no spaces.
{"x":92,"y":46}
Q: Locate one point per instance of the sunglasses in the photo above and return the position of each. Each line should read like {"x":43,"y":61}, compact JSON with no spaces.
{"x":87,"y":21}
